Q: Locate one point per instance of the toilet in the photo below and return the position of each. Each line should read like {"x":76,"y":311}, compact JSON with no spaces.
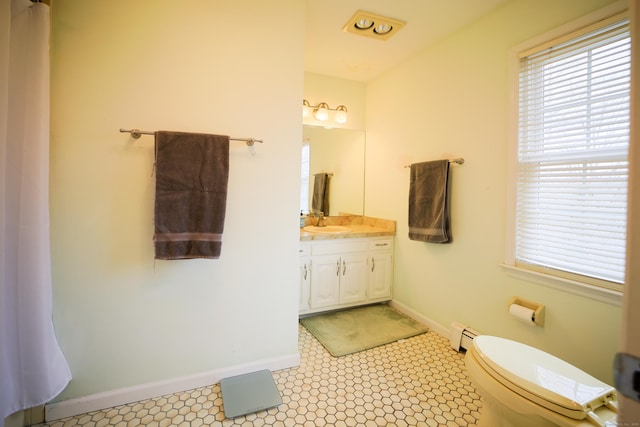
{"x":522,"y":386}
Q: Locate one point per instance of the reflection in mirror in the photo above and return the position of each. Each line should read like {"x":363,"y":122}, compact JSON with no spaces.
{"x":339,"y":152}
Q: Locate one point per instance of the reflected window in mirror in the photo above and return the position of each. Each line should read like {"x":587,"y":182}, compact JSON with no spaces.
{"x":304,"y":178}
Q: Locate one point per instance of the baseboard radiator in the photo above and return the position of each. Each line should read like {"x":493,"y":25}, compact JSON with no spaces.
{"x":461,"y":336}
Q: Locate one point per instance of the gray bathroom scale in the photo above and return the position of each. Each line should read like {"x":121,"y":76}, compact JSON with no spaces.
{"x":249,"y":393}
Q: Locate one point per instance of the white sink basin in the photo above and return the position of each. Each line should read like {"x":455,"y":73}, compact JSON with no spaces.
{"x":329,"y":229}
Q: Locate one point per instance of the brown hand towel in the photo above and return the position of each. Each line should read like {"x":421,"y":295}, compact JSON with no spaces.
{"x":320,"y":200}
{"x":428,"y":205}
{"x":192,"y":171}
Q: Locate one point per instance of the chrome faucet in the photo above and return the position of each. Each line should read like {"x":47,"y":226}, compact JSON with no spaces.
{"x":320,"y":216}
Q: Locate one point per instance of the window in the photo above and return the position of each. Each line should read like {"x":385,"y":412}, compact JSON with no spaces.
{"x":304,"y":178}
{"x":571,"y":161}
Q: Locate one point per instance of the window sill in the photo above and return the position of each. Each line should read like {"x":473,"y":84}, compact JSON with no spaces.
{"x":588,"y":291}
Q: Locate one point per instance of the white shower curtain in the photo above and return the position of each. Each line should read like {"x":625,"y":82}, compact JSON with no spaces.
{"x":33,"y":369}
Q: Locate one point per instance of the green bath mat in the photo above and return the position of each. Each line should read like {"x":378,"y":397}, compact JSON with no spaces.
{"x":350,"y":331}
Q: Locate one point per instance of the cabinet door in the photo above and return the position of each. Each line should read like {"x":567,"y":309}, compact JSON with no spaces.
{"x":305,"y":280}
{"x":380,"y":270}
{"x":353,"y":280}
{"x":325,"y":280}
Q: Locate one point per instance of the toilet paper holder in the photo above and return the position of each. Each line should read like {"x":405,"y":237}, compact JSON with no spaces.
{"x":538,"y":309}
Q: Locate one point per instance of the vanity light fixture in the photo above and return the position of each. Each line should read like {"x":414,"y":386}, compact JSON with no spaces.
{"x":373,"y":25}
{"x":321,"y":111}
{"x":305,"y":108}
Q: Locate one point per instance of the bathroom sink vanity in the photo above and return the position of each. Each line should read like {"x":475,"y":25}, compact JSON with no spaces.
{"x":346,"y":269}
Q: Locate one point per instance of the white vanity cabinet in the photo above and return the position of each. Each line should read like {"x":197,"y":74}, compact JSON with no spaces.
{"x":347,"y":272}
{"x":338,"y":279}
{"x":305,"y":276}
{"x":380,"y":268}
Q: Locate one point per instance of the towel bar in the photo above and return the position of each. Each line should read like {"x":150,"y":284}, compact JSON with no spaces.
{"x":137,"y":133}
{"x":459,"y":160}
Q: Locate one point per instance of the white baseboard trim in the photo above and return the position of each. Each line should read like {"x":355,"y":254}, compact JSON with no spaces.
{"x":438,"y":328}
{"x":122,"y":396}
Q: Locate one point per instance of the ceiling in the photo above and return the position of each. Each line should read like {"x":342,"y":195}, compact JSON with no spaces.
{"x":333,"y":52}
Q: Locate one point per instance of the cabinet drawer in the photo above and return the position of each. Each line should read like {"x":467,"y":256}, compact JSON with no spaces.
{"x":339,"y":246}
{"x":380,"y":244}
{"x":305,"y":249}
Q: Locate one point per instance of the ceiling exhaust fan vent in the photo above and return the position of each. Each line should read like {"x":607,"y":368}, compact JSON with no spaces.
{"x":372,"y":25}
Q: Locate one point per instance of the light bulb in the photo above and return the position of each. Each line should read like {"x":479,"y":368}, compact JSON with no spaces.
{"x":341,"y":114}
{"x":363,"y":24}
{"x":382,"y":29}
{"x":321,"y":112}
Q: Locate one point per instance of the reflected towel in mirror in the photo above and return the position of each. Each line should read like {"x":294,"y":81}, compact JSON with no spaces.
{"x":320,"y":199}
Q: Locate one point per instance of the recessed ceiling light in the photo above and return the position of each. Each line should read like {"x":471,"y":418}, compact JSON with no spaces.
{"x":382,"y":28}
{"x":363,"y":24}
{"x":373,"y":25}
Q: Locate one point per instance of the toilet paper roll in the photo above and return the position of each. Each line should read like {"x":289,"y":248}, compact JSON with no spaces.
{"x":523,"y":314}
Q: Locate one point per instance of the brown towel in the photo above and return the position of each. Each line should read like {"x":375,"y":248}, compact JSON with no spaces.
{"x":428,"y":205}
{"x":192,"y":171}
{"x":320,"y":199}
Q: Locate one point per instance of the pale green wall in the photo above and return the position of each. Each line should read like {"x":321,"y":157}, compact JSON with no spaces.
{"x":235,"y":68}
{"x":456,"y":105}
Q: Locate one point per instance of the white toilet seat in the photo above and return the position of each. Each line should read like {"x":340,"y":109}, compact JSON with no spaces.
{"x":542,"y":378}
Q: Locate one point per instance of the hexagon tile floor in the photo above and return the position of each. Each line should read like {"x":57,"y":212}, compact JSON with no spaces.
{"x":419,"y":381}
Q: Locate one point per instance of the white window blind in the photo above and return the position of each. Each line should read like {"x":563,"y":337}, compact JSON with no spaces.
{"x":573,"y":140}
{"x":304,"y":178}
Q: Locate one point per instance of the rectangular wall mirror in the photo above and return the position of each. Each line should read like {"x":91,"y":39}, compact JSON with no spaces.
{"x":339,"y":152}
